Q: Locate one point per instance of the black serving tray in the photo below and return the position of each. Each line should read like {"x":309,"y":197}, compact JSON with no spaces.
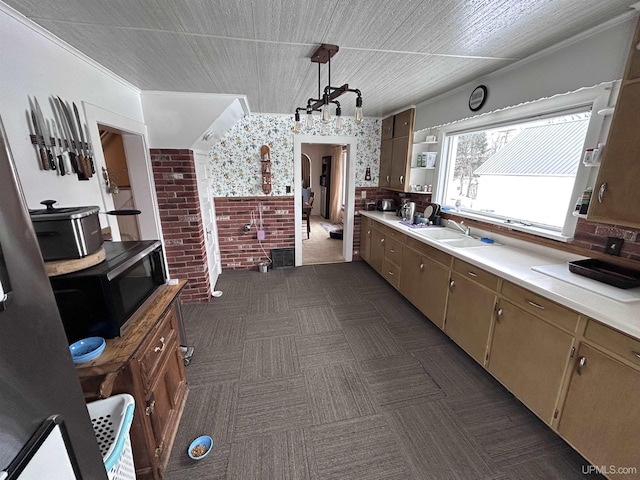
{"x":608,"y":273}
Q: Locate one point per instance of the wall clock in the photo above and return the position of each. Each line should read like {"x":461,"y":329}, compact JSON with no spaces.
{"x":477,"y":98}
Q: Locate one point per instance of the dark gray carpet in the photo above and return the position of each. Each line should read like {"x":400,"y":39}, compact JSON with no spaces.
{"x":326,"y":372}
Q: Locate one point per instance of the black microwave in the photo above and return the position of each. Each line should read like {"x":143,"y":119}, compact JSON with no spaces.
{"x":98,"y":301}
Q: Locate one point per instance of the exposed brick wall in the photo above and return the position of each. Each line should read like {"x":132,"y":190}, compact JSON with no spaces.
{"x":240,"y":250}
{"x":177,"y":191}
{"x":592,"y":237}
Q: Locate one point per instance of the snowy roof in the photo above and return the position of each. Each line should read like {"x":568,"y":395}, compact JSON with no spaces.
{"x":554,"y":150}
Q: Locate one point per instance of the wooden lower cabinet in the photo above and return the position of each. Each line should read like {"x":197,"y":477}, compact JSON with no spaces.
{"x":145,"y":362}
{"x":600,"y":417}
{"x":530,"y":357}
{"x":376,"y":252}
{"x":365,"y":239}
{"x":424,"y":283}
{"x":470,"y":311}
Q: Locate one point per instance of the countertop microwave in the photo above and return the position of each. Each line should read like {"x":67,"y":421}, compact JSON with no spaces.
{"x":98,"y":301}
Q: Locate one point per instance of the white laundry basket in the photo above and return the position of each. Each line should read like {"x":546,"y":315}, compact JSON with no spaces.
{"x":111,"y":419}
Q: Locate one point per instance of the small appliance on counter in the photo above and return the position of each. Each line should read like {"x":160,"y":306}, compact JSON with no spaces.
{"x":369,"y":205}
{"x":386,"y":205}
{"x":98,"y":301}
{"x":66,"y":233}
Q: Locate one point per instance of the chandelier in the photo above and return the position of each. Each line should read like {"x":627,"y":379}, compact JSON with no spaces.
{"x":329,"y":95}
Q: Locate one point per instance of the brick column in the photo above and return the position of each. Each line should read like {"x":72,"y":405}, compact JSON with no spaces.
{"x":174,"y":173}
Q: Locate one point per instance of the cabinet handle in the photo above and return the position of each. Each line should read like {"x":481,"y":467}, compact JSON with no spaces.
{"x":422,"y":267}
{"x":390,"y":273}
{"x":581,"y":363}
{"x":368,"y":233}
{"x":499,"y":314}
{"x":160,"y":349}
{"x":150,"y":409}
{"x":387,"y":178}
{"x":601,"y":191}
{"x":391,"y":250}
{"x":637,"y":354}
{"x":159,"y":450}
{"x":401,"y":179}
{"x":533,"y":304}
{"x":452,"y":284}
{"x":382,"y":240}
{"x":472,"y":274}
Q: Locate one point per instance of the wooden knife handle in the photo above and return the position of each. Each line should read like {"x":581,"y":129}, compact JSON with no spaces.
{"x":52,"y":163}
{"x":43,"y":159}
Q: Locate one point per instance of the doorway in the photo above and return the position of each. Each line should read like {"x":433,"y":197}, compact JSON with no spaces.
{"x":348,"y":198}
{"x":116,"y":176}
{"x":323,"y":182}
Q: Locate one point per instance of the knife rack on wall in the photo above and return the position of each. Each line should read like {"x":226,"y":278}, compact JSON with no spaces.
{"x":60,"y":140}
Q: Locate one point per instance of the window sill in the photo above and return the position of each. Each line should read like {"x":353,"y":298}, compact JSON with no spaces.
{"x":539,"y":232}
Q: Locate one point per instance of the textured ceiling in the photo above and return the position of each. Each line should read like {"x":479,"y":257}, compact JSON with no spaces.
{"x":397,"y":52}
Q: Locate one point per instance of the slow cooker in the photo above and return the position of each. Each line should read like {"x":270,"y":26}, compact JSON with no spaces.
{"x":66,"y":233}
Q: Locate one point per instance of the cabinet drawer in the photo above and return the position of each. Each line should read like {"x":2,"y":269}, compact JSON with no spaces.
{"x":625,"y":346}
{"x":158,"y":347}
{"x":541,"y":306}
{"x":391,"y":272}
{"x":403,"y":123}
{"x":393,"y":250}
{"x":429,"y":251}
{"x":476,"y":274}
{"x":392,"y":233}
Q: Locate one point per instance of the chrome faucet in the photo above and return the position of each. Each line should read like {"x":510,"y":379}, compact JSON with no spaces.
{"x":462,"y":227}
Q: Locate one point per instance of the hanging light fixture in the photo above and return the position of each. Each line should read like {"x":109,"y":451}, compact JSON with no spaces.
{"x":323,"y":103}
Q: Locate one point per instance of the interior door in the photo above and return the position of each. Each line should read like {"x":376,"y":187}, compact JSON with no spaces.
{"x":207,"y":207}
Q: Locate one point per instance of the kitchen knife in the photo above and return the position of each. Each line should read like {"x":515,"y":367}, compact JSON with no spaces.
{"x":69,"y":157}
{"x":46,"y":135}
{"x":64,"y":150}
{"x":44,"y":161}
{"x":85,"y":152}
{"x":61,"y":167}
{"x":90,"y":150}
{"x":82,"y":170}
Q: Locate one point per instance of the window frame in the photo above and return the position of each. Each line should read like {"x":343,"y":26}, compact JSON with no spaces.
{"x":596,"y":98}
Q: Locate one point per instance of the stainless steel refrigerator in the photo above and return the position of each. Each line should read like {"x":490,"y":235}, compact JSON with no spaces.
{"x":39,"y":388}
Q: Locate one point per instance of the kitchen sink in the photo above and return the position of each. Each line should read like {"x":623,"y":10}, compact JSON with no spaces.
{"x":442,"y":234}
{"x":463,"y":242}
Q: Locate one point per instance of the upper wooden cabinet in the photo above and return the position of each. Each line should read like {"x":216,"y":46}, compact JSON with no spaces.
{"x":616,"y":192}
{"x":395,"y":151}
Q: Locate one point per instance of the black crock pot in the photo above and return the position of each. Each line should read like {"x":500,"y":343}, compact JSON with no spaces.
{"x":66,"y":233}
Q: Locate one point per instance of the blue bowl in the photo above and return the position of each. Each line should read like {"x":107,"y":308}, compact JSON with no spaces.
{"x":206,"y":441}
{"x":87,"y":349}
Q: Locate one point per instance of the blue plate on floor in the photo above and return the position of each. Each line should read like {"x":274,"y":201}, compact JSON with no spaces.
{"x":205,"y":441}
{"x":87,"y":349}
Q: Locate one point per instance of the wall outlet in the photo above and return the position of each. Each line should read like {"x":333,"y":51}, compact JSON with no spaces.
{"x":614,"y":245}
{"x":363,"y":194}
{"x":246,"y":228}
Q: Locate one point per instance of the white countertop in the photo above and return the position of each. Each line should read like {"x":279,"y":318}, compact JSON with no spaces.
{"x":513,"y":259}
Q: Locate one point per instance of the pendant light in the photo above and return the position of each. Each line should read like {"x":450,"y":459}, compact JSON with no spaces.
{"x":323,"y":103}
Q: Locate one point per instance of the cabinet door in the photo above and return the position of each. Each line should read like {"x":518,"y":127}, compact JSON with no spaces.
{"x":601,"y":418}
{"x":403,"y":123}
{"x":386,"y":148}
{"x":620,"y":169}
{"x":387,"y":128}
{"x":529,"y":356}
{"x":401,"y":155}
{"x":469,"y":313}
{"x":434,"y":288}
{"x":411,"y":275}
{"x":365,"y":239}
{"x":376,"y":254}
{"x":162,"y":406}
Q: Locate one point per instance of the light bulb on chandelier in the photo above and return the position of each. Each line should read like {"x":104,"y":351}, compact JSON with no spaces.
{"x":329,"y":95}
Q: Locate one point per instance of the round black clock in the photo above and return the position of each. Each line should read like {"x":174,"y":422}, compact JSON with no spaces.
{"x":477,"y":98}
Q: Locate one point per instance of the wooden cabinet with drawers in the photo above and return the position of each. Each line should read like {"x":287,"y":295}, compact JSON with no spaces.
{"x":385,"y":254}
{"x":470,"y":308}
{"x":365,"y":239}
{"x":147,"y":363}
{"x":531,"y":347}
{"x":600,"y":417}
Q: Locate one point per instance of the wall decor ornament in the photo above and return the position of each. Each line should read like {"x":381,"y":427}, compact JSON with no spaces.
{"x":478,"y":98}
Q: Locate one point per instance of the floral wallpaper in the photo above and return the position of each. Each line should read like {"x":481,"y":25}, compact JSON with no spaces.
{"x":234,"y":166}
